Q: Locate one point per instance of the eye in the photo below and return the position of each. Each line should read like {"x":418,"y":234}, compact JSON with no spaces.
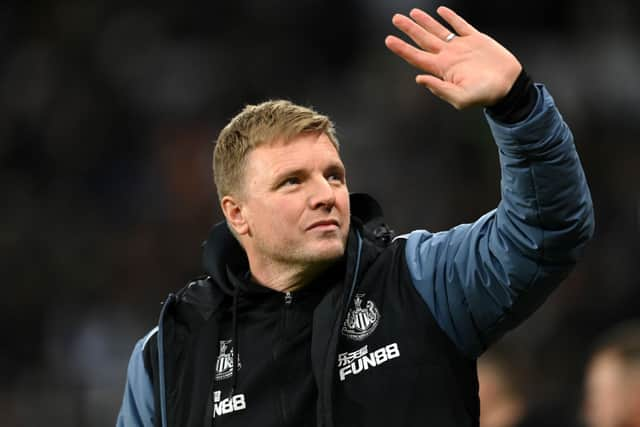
{"x":337,"y":177}
{"x":292,"y":180}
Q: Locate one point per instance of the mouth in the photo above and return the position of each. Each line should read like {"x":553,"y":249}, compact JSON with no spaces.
{"x":325,"y":225}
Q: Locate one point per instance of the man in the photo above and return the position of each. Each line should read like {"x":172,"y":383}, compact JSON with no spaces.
{"x":612,"y":386}
{"x":501,"y":377}
{"x":505,"y":383}
{"x":311,"y":315}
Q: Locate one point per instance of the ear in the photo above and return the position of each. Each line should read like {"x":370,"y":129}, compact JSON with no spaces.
{"x":233,"y":211}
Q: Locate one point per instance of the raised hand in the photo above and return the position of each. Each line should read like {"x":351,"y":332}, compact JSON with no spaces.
{"x":464,"y":67}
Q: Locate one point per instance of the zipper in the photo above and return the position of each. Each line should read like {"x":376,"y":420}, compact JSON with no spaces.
{"x":288,"y":300}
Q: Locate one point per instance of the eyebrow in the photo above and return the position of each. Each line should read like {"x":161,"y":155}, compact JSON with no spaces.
{"x":287,"y":172}
{"x":302,"y":171}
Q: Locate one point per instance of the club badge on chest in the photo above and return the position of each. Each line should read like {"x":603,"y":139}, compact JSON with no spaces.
{"x":360,"y":322}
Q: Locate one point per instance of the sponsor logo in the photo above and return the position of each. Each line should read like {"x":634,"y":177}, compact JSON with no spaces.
{"x":356,"y":362}
{"x":361,"y":322}
{"x":235,"y":403}
{"x":224,"y":363}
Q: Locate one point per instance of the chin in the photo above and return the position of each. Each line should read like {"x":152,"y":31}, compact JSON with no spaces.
{"x":326,"y":252}
{"x":331,"y":254}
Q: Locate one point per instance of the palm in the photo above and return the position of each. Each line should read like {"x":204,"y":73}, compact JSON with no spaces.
{"x":471,"y":69}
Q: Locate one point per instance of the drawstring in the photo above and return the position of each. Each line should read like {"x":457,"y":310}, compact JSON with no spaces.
{"x":234,"y":343}
{"x":355,"y":273}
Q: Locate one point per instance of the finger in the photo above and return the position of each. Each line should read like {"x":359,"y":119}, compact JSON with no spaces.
{"x":460,"y":26}
{"x":414,"y":56}
{"x":430,"y":24}
{"x":418,"y":34}
{"x":442,"y":89}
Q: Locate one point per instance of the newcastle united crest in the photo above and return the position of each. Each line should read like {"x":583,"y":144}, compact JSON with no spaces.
{"x":361,"y":322}
{"x":224,"y":364}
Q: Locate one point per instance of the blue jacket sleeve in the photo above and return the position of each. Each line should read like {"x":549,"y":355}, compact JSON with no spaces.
{"x":137,"y":404}
{"x":480,"y":280}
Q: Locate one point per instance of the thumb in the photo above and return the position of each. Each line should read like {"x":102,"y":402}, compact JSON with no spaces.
{"x":442,"y":89}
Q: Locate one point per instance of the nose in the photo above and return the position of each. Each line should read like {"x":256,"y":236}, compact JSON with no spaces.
{"x":322,"y":194}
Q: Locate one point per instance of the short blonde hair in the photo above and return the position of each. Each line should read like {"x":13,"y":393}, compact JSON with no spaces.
{"x":256,"y":125}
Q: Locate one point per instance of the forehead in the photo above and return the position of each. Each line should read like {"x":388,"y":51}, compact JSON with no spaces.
{"x":304,"y":151}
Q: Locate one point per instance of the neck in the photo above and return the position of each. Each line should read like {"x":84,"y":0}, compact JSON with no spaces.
{"x":285,"y":278}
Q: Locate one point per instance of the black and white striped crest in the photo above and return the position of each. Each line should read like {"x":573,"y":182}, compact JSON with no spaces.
{"x":224,"y":363}
{"x":361,"y":322}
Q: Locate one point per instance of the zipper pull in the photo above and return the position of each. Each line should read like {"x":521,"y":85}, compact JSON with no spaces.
{"x":288,"y":298}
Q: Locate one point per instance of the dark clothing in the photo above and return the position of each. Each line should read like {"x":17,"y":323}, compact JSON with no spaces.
{"x":390,"y":335}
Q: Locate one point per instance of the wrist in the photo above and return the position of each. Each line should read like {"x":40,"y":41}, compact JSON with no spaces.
{"x":518,"y":103}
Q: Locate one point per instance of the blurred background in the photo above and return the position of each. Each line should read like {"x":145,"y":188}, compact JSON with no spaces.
{"x":109,"y":110}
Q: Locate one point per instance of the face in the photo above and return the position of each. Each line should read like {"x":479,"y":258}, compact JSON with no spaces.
{"x":605,"y":394}
{"x":499,"y":405}
{"x":295,"y":202}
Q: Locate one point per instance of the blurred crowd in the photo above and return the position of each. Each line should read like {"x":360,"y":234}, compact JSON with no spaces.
{"x":610,"y":394}
{"x":108,"y":111}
